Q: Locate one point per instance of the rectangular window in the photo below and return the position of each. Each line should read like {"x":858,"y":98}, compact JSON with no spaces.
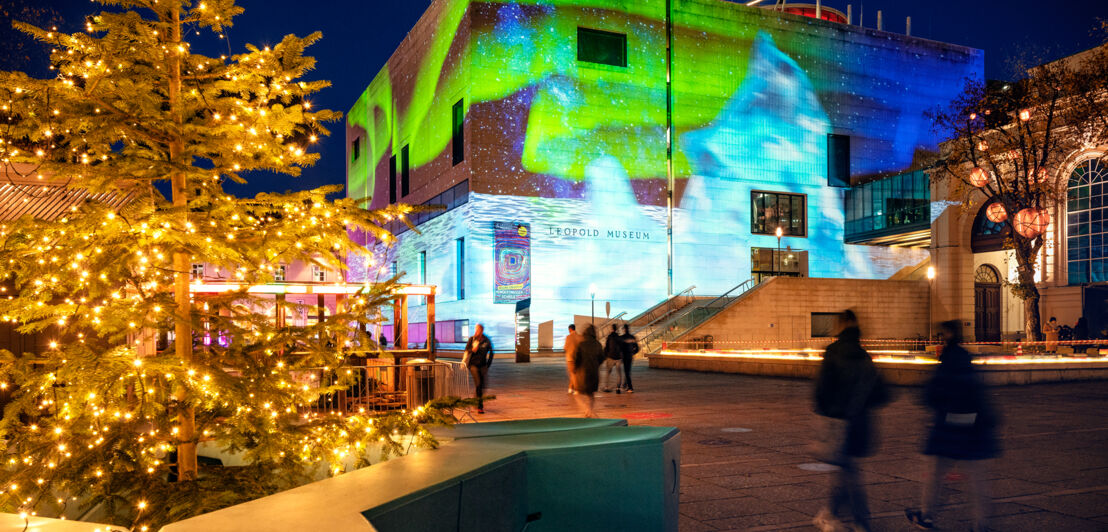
{"x":838,"y":160}
{"x":355,"y":149}
{"x":460,"y":244}
{"x":422,"y":267}
{"x":404,"y":174}
{"x":392,"y":179}
{"x":319,"y":274}
{"x":771,"y":262}
{"x":458,"y":116}
{"x":824,"y":323}
{"x":770,"y":210}
{"x":601,"y":47}
{"x":197,"y":272}
{"x":279,"y":273}
{"x":393,"y":269}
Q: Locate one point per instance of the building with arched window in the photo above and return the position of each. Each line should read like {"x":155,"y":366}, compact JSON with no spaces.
{"x":976,"y":271}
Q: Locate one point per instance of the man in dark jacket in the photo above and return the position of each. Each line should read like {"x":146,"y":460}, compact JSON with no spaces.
{"x":847,"y":388}
{"x":478,"y":356}
{"x":963,"y":430}
{"x":630,"y":349}
{"x":613,"y":359}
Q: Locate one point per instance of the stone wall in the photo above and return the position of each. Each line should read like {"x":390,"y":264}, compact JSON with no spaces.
{"x":781,"y":310}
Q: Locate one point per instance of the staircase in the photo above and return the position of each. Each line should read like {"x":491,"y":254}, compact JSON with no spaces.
{"x":673,"y":325}
{"x":663,"y":310}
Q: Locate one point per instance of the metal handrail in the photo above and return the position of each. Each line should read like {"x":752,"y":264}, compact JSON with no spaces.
{"x":657,"y":333}
{"x":668,"y":304}
{"x":605,"y":325}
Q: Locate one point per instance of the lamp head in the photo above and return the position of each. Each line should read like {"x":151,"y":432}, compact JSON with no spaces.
{"x":930,"y":273}
{"x":780,"y":232}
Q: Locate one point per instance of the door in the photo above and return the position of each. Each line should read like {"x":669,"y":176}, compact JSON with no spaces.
{"x":986,"y":300}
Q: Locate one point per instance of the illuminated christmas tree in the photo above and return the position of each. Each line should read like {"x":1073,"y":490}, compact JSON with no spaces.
{"x":101,"y":420}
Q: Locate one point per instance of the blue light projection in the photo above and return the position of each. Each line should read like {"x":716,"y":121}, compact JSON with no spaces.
{"x":578,"y":151}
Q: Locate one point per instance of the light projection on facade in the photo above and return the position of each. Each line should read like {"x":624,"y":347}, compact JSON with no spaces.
{"x":575,"y":145}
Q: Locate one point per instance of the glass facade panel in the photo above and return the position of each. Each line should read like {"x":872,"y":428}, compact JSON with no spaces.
{"x":1086,"y":228}
{"x":894,"y":202}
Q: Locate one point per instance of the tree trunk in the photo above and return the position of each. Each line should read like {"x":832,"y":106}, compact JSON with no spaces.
{"x":186,"y":415}
{"x":1025,"y":260}
{"x":1031,"y":320}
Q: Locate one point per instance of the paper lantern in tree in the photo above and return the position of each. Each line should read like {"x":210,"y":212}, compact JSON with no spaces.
{"x":1025,"y":115}
{"x":1031,"y":222}
{"x":982,"y":146}
{"x":1040,"y":175}
{"x":979,"y":176}
{"x":996,"y":212}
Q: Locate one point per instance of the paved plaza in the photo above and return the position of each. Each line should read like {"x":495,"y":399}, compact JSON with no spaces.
{"x":744,"y":467}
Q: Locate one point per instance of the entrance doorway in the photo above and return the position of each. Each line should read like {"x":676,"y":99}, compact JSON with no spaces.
{"x":986,"y":304}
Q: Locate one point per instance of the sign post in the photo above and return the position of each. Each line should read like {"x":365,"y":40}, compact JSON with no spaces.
{"x":523,"y":330}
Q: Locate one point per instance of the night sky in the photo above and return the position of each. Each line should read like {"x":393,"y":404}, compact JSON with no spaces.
{"x":359,"y":36}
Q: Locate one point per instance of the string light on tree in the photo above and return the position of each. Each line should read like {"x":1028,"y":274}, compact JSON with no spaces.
{"x":98,"y":414}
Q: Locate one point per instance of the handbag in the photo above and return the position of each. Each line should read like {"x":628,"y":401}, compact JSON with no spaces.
{"x":830,"y":446}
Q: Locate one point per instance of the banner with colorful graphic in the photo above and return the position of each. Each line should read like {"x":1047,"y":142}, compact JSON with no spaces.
{"x":512,"y":253}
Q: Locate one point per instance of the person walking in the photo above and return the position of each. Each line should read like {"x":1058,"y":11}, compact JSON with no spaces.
{"x":586,"y":370}
{"x":613,"y":359}
{"x":1080,"y":333}
{"x":572,"y":341}
{"x":963,"y":429}
{"x":630,"y":349}
{"x":1050,"y":335}
{"x":478,"y":357}
{"x":847,"y":389}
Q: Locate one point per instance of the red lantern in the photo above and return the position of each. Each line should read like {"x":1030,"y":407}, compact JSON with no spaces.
{"x":1031,"y":222}
{"x":996,"y":212}
{"x":979,"y":176}
{"x":1025,"y":115}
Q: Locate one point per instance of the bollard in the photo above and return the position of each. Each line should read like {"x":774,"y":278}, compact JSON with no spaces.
{"x":1019,"y":349}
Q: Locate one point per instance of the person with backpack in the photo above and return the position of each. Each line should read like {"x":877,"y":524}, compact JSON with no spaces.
{"x":847,"y":389}
{"x":613,"y":359}
{"x":963,"y":430}
{"x":630,"y":349}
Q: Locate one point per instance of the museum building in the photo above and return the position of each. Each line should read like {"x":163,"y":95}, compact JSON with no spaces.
{"x":597,"y":158}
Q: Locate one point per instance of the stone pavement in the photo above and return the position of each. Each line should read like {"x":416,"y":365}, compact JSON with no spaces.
{"x":743,"y":461}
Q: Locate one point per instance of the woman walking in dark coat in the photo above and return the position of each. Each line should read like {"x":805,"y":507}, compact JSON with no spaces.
{"x":586,"y":370}
{"x":848,"y":387}
{"x":963,"y":431}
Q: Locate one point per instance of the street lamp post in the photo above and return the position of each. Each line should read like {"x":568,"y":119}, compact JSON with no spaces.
{"x":930,"y":288}
{"x":780,"y":232}
{"x":592,"y":294}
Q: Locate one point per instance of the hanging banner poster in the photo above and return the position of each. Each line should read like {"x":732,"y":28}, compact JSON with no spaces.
{"x":512,"y":253}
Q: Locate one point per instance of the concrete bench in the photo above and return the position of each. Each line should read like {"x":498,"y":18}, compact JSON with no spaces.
{"x":543,"y":474}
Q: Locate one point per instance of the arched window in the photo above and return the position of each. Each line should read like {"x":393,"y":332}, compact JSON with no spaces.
{"x":1087,"y":223}
{"x":988,"y":235}
{"x":986,"y":274}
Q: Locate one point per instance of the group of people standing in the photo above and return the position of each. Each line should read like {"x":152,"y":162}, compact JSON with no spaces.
{"x":584,"y":357}
{"x":962,"y":432}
